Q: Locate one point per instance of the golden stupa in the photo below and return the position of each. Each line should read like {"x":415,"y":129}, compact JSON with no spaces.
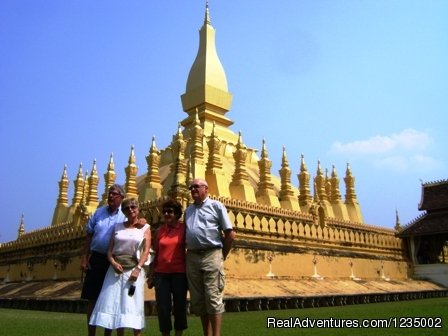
{"x":283,"y":231}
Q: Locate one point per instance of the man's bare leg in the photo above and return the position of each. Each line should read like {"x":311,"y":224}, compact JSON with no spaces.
{"x":206,"y":325}
{"x":215,"y":321}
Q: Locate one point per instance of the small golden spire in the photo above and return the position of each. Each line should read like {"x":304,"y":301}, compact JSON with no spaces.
{"x":131,"y":176}
{"x":397,"y":226}
{"x":79,"y":188}
{"x":109,"y":179}
{"x":264,"y":151}
{"x":92,"y":196}
{"x":21,"y":229}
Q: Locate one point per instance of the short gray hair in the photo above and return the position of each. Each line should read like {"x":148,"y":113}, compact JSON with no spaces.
{"x":118,"y":188}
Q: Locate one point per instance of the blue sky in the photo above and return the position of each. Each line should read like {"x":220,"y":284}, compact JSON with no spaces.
{"x":363,"y":82}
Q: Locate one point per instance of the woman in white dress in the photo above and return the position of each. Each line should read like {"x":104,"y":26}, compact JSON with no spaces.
{"x":121,"y":301}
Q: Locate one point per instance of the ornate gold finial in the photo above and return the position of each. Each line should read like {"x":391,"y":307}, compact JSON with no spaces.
{"x":302,"y":163}
{"x":207,"y":14}
{"x":21,"y":230}
{"x":132,"y":155}
{"x":284,"y":157}
{"x":264,"y":151}
{"x":111,"y":165}
{"x":239,"y":139}
{"x":319,"y":170}
{"x":397,"y":226}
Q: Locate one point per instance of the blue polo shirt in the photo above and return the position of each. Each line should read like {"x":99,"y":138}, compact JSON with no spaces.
{"x":205,"y":223}
{"x":101,"y":225}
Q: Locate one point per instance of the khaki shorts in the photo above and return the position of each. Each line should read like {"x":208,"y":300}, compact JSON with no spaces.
{"x":206,"y":282}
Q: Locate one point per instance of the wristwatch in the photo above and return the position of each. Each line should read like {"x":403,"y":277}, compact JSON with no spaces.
{"x":139,"y":267}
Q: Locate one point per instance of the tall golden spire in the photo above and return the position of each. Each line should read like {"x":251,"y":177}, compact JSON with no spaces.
{"x":351,"y":201}
{"x":85,"y":190}
{"x":214,"y":174}
{"x":240,"y":174}
{"x":79,"y":190}
{"x":92,"y":196}
{"x":131,"y":176}
{"x":266,"y":193}
{"x":109,"y":179}
{"x":63,"y":188}
{"x":350,"y":194}
{"x":334,"y":180}
{"x":327,"y":184}
{"x":320,"y":183}
{"x":287,"y":196}
{"x":60,"y":211}
{"x":153,"y":188}
{"x":196,"y":148}
{"x":206,"y":88}
{"x":77,"y":194}
{"x":178,"y":189}
{"x":305,"y":198}
{"x":240,"y":187}
{"x":339,"y":208}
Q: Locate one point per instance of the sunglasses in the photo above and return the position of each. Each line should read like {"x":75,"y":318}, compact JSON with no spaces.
{"x":133,"y":207}
{"x":168,"y":211}
{"x":196,"y":186}
{"x":114,"y":193}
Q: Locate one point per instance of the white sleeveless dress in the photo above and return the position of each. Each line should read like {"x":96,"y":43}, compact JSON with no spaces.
{"x":114,"y":307}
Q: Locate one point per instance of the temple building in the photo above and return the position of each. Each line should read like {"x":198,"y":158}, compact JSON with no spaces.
{"x":426,"y":237}
{"x":312,"y":229}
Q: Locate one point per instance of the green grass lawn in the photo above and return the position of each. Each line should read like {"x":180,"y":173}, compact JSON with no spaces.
{"x":14,"y":322}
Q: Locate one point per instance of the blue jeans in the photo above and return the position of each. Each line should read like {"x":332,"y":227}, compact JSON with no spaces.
{"x":171,"y":297}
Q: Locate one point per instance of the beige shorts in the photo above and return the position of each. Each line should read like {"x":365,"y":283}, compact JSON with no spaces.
{"x":206,"y":282}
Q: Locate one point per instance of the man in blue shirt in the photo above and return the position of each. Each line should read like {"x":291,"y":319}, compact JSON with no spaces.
{"x":94,"y":260}
{"x":209,"y":238}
